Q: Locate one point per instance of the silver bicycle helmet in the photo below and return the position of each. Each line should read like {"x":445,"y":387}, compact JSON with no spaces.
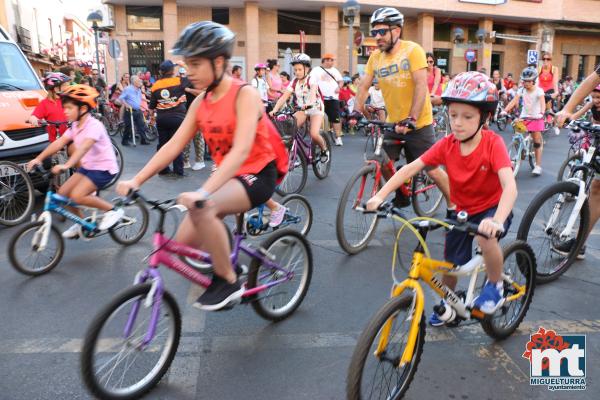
{"x":388,"y":16}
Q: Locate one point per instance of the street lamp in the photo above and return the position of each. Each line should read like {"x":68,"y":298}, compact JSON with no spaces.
{"x":351,"y":10}
{"x":94,"y":18}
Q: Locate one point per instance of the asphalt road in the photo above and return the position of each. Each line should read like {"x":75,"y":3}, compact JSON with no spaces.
{"x":236,"y":354}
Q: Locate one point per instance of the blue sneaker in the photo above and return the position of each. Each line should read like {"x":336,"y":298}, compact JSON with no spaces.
{"x":434,"y":319}
{"x":491,"y":298}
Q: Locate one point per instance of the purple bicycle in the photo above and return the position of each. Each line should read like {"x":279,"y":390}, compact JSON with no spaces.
{"x":131,"y":343}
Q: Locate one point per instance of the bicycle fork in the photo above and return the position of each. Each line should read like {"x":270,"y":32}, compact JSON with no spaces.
{"x":581,"y":197}
{"x":153,"y":299}
{"x":40,"y":238}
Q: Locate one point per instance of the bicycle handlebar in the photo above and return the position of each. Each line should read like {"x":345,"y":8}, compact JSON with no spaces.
{"x":585,"y":125}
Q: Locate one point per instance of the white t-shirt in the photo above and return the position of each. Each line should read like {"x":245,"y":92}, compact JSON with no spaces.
{"x":532,"y":106}
{"x":262,"y":86}
{"x":376,"y":97}
{"x":302,"y":92}
{"x":327,"y":84}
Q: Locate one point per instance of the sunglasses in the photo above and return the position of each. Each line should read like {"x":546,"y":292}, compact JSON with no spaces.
{"x":547,"y":59}
{"x":380,"y":32}
{"x":430,"y":62}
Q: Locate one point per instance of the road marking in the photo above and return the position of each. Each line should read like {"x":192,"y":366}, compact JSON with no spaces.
{"x":192,"y":345}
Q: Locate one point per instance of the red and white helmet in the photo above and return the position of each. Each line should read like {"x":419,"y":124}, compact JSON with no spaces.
{"x":54,"y":79}
{"x":472,"y":88}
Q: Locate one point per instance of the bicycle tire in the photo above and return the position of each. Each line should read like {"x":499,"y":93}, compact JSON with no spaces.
{"x":113,"y":232}
{"x":531,"y":154}
{"x":527,"y":266}
{"x":152,"y":133}
{"x":120,"y":163}
{"x":288,"y":185}
{"x":16,"y":262}
{"x":253,"y":276}
{"x":417,"y":200}
{"x":501,"y":123}
{"x":320,"y":169}
{"x":368,"y":172}
{"x":369,"y":335}
{"x":95,"y":328}
{"x":574,"y":159}
{"x":16,"y":198}
{"x":203,"y":267}
{"x":514,"y":153}
{"x":524,"y":231}
{"x":309,"y":212}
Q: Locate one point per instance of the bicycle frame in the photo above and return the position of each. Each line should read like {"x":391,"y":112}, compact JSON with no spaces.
{"x":166,"y":249}
{"x":256,"y":220}
{"x":425,"y":268}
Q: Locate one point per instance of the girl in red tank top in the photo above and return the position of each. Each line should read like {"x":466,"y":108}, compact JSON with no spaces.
{"x":232,"y":120}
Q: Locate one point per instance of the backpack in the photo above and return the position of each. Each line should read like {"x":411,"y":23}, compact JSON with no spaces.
{"x":281,"y":153}
{"x":295,"y":81}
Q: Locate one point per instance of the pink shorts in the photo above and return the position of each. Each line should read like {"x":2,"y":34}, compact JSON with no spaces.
{"x":534,"y":125}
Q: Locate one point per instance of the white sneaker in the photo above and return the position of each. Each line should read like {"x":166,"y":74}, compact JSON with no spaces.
{"x":73,"y":232}
{"x":338,"y":141}
{"x":198,"y":165}
{"x":537,"y":170}
{"x":111,"y":218}
{"x":556,"y":130}
{"x":187,"y":165}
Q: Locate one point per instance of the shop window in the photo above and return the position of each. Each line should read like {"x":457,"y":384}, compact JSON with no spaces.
{"x":313,"y":50}
{"x":472,"y":33}
{"x":499,"y":29}
{"x":220,"y":15}
{"x":580,"y":70}
{"x":442,"y":59}
{"x":292,"y":22}
{"x":442,"y":32}
{"x":144,"y":18}
{"x":566,"y":65}
{"x":145,"y":56}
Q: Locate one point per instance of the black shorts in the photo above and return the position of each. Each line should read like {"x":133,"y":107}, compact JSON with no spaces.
{"x":332,"y":109}
{"x":459,"y":245}
{"x":261,"y":186}
{"x":98,"y":178}
{"x":416,"y":143}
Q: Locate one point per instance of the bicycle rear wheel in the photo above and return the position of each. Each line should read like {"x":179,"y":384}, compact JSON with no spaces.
{"x":152,"y":132}
{"x":295,"y":180}
{"x":132,"y":226}
{"x":557,"y":201}
{"x":519,"y":266}
{"x":377,"y":375}
{"x":299,"y":215}
{"x":16,"y":194}
{"x":292,"y":253}
{"x":25,"y":254}
{"x":426,"y":196}
{"x":117,"y":367}
{"x":355,"y":229}
{"x":321,"y":169}
{"x":120,"y":163}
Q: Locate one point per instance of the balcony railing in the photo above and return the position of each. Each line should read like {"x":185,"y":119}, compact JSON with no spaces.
{"x":23,"y":38}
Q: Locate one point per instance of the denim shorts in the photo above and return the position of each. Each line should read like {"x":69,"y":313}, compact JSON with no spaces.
{"x":99,"y":178}
{"x":459,"y":245}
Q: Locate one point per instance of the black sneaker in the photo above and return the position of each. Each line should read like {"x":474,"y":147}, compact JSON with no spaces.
{"x":401,"y":201}
{"x":565,"y":247}
{"x":219,"y":294}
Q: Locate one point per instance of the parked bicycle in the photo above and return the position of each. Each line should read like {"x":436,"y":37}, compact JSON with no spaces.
{"x":389,"y":349}
{"x":354,"y":229}
{"x":132,"y":341}
{"x":37,"y":247}
{"x":302,"y":152}
{"x":556,"y":222}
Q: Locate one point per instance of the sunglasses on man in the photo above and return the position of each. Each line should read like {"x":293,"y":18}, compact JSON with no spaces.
{"x":380,"y":32}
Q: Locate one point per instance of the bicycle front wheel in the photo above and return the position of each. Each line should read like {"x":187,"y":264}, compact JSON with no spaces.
{"x":564,"y":172}
{"x":16,"y":194}
{"x":293,"y":256}
{"x":295,"y":179}
{"x":119,"y":366}
{"x":132,"y":226}
{"x":519,"y":269}
{"x":542,"y":228}
{"x":515,"y":155}
{"x":26,"y":254}
{"x":299,"y":214}
{"x":377,"y":374}
{"x":354,"y":229}
{"x":426,"y":196}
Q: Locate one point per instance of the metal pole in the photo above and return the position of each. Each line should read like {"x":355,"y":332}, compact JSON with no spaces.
{"x":350,"y":34}
{"x":95,"y":28}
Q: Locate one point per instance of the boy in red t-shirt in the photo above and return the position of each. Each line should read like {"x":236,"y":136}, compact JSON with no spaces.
{"x":50,"y":108}
{"x":481,"y":181}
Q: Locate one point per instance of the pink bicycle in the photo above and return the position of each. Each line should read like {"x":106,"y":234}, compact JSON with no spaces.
{"x":131,"y":343}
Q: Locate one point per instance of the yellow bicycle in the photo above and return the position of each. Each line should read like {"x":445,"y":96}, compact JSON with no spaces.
{"x":388,"y":351}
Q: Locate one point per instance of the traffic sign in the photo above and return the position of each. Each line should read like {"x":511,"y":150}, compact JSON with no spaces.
{"x":358,"y":38}
{"x":470,"y":55}
{"x":114,"y":49}
{"x":532,"y":57}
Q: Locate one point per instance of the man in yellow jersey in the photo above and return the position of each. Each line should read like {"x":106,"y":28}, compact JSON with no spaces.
{"x":400,"y":67}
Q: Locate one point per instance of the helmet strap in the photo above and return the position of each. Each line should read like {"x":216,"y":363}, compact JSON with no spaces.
{"x":393,"y":43}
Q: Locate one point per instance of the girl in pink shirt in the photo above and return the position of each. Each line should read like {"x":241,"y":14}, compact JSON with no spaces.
{"x":93,"y":155}
{"x":274,"y":81}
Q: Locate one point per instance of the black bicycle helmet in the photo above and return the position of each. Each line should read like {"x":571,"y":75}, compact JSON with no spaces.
{"x":388,"y":16}
{"x":205,"y":39}
{"x":529,"y":74}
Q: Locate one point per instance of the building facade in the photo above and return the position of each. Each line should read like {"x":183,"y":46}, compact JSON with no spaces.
{"x":498,"y":35}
